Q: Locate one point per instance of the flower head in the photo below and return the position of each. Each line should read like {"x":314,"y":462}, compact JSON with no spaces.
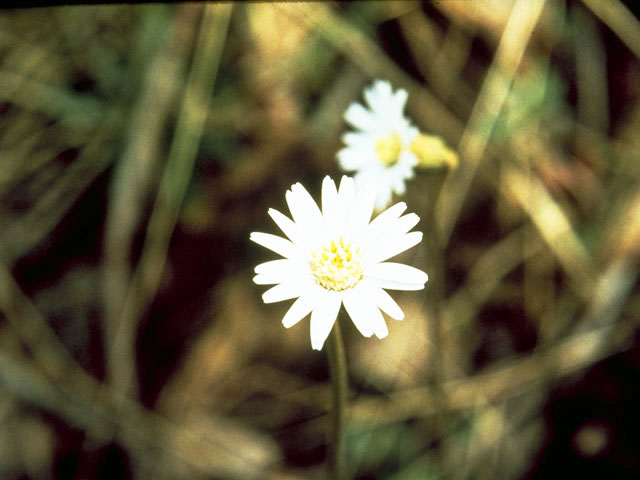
{"x":386,"y":147}
{"x":378,"y":150}
{"x":336,"y":256}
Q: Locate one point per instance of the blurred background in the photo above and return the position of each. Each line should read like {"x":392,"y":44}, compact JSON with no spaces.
{"x":141,"y":144}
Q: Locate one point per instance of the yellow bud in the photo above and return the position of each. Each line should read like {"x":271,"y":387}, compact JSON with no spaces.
{"x":432,"y":152}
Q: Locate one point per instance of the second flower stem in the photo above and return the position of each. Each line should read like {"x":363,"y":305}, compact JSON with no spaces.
{"x":338,"y":370}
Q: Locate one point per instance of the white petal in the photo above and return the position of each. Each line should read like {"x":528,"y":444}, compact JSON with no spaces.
{"x":304,"y":210}
{"x":354,"y":158}
{"x":382,"y":250}
{"x":362,"y":208}
{"x":397,"y":272}
{"x":344,"y":205}
{"x":283,"y":291}
{"x":372,"y":172}
{"x":280,"y":245}
{"x":383,"y":197}
{"x":359,"y":117}
{"x":404,"y":224}
{"x":330,"y":207}
{"x":364,"y":313}
{"x":274,"y":266}
{"x":379,"y":325}
{"x":346,"y":191}
{"x":383,"y":86}
{"x":382,"y":222}
{"x":381,"y":299}
{"x":378,"y":96}
{"x":357,"y":310}
{"x":288,"y":227}
{"x":267,"y":279}
{"x":374,"y":99}
{"x":291,"y":272}
{"x":407,"y":159}
{"x":400,"y":99}
{"x":323,"y":317}
{"x":391,"y":285}
{"x":329,"y":195}
{"x":359,"y":141}
{"x":399,"y":186}
{"x":298,"y":310}
{"x":379,"y":176}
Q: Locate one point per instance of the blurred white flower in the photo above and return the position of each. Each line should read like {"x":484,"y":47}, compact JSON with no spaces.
{"x":386,"y":147}
{"x":337,"y":256}
{"x":379,"y":150}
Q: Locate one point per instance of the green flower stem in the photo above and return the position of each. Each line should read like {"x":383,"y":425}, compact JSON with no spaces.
{"x":338,"y":369}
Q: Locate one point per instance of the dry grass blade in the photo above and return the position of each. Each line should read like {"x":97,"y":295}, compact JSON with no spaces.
{"x":619,"y":19}
{"x":133,"y":178}
{"x":491,"y":98}
{"x":485,"y":277}
{"x":36,"y":334}
{"x":22,"y":233}
{"x":204,"y":447}
{"x":69,"y":392}
{"x":36,"y":96}
{"x":173,"y":184}
{"x":593,"y":107}
{"x":554,"y":226}
{"x":515,"y":377}
{"x":491,"y":15}
{"x":374,"y":62}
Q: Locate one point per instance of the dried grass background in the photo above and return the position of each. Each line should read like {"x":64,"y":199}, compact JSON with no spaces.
{"x":141,"y":144}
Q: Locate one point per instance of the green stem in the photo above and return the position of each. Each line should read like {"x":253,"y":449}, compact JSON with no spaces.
{"x":338,"y":369}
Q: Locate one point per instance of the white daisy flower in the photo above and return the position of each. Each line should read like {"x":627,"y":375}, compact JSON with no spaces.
{"x":379,"y":151}
{"x":337,"y":257}
{"x":386,"y":147}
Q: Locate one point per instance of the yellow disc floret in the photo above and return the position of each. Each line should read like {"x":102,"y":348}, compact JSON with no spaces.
{"x":388,"y":149}
{"x":337,"y":265}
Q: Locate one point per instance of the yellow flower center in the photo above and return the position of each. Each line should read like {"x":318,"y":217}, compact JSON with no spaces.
{"x":337,"y":265}
{"x":388,"y":149}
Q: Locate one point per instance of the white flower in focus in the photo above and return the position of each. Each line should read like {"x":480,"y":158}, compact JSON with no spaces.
{"x":337,"y":257}
{"x":379,"y":151}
